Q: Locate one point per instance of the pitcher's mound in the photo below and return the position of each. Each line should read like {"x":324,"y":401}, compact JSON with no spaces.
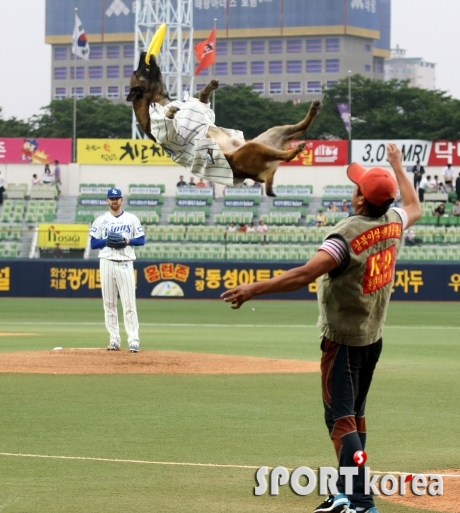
{"x":101,"y":361}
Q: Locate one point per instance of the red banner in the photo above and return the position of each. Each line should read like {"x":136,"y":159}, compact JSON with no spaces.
{"x":444,"y":152}
{"x":320,"y":153}
{"x":35,"y":151}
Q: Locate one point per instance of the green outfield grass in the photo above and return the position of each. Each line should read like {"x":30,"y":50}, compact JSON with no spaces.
{"x":238,"y":420}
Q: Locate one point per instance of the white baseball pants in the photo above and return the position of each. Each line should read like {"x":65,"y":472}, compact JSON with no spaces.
{"x":118,"y":278}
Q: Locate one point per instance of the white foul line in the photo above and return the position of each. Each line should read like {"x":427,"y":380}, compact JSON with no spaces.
{"x":253,"y":467}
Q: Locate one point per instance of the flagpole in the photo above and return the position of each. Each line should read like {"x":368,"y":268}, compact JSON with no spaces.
{"x":213,"y":97}
{"x":349,"y":108}
{"x":74,"y":131}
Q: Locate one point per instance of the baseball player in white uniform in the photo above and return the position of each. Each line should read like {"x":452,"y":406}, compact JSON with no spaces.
{"x":115,"y":233}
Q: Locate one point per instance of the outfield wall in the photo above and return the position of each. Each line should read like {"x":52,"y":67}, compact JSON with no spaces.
{"x":122,"y":176}
{"x":206,"y":280}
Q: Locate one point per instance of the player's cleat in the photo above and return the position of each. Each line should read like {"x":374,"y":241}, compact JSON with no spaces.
{"x":113,"y":346}
{"x":336,"y":504}
{"x":134,"y":348}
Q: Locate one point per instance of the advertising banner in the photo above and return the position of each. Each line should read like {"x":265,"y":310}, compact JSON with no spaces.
{"x":239,"y":203}
{"x":191,"y":279}
{"x":191,"y":203}
{"x":68,"y":236}
{"x":143,"y":202}
{"x":121,"y":151}
{"x":20,"y":150}
{"x":154,"y":191}
{"x":244,"y":191}
{"x":292,"y":191}
{"x":320,"y":153}
{"x":194,"y":191}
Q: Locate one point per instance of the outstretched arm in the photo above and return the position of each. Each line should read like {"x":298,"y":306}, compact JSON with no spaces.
{"x":411,"y":203}
{"x":291,"y":280}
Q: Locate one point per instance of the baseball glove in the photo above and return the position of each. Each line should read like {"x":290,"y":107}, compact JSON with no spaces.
{"x":116,"y":240}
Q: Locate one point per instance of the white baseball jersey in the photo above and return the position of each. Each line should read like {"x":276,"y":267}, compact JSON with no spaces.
{"x":184,"y":139}
{"x":127,"y":224}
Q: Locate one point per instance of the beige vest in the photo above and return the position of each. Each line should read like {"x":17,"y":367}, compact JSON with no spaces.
{"x":353,"y":298}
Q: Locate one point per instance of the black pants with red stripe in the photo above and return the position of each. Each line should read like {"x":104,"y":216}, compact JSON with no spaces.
{"x":346,"y":374}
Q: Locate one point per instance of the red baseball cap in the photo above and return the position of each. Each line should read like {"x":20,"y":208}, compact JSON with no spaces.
{"x":377,"y":185}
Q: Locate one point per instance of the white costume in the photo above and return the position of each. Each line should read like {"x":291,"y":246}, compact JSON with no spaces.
{"x":184,"y":139}
{"x":117,"y":275}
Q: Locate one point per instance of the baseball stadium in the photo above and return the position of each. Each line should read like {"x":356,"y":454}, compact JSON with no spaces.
{"x":174,"y":339}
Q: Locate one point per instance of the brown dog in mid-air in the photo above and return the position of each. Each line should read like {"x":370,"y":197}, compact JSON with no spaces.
{"x":217,"y":154}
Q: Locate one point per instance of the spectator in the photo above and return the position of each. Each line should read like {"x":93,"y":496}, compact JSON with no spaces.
{"x":58,"y":251}
{"x":262,"y":228}
{"x":35,"y":180}
{"x":456,"y":208}
{"x":2,"y":188}
{"x":232,"y":227}
{"x":251,"y":229}
{"x":243,"y":228}
{"x":344,"y":205}
{"x":418,"y":171}
{"x":440,"y":210}
{"x":332,"y":207}
{"x":424,"y":185}
{"x":434,"y":183}
{"x":181,"y":182}
{"x":57,"y":176}
{"x":47,"y":178}
{"x":320,"y":219}
{"x":448,"y":174}
{"x":409,"y":237}
{"x":192,"y":182}
{"x":442,"y":188}
{"x":457,"y":186}
{"x":201,"y":183}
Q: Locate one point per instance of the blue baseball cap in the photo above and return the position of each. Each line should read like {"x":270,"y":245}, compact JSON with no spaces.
{"x":114,"y":193}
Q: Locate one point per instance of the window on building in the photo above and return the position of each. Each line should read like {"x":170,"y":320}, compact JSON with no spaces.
{"x":222,"y":48}
{"x":239,"y":47}
{"x":239,"y":68}
{"x":314,"y":87}
{"x":128,"y":51}
{"x":222,"y":84}
{"x":276,"y":88}
{"x":127,"y":71}
{"x":113,"y":71}
{"x":294,"y":46}
{"x":60,"y":93}
{"x":314,"y":45}
{"x":204,"y":73}
{"x":331,"y":83}
{"x":80,"y":72}
{"x":113,"y":52}
{"x":275,"y":46}
{"x":236,"y":84}
{"x":95,"y":71}
{"x":275,"y":67}
{"x":127,"y":89}
{"x":367,"y":67}
{"x":200,"y":87}
{"x":97,"y":91}
{"x":368,"y":47}
{"x":294,"y":66}
{"x":258,"y":68}
{"x":96,"y":52}
{"x":333,"y":45}
{"x":314,"y":66}
{"x":221,"y":68}
{"x":294,"y":87}
{"x":258,"y":87}
{"x":257,"y":47}
{"x":378,"y":65}
{"x":332,"y":65}
{"x":79,"y":92}
{"x":113,"y":92}
{"x":60,"y":73}
{"x":60,"y":53}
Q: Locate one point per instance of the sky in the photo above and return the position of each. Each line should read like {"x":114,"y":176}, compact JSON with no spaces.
{"x":424,"y":28}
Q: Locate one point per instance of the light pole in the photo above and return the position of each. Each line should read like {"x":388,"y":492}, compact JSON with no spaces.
{"x":349,"y":124}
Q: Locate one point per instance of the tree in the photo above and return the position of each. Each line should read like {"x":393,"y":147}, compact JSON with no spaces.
{"x":13,"y":127}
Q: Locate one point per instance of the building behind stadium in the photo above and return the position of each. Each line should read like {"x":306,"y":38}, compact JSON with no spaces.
{"x":284,"y":49}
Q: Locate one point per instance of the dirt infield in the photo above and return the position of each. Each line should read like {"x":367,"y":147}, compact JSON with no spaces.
{"x":101,"y":361}
{"x":446,"y":503}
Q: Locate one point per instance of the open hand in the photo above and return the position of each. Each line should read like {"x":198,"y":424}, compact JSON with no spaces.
{"x":238,"y":295}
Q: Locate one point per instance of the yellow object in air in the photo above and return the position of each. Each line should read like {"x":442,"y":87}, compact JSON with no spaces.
{"x":155,"y":44}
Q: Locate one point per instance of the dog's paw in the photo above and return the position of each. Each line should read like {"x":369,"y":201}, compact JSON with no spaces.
{"x":270,"y":192}
{"x":300,"y":147}
{"x":172,"y":112}
{"x":214,"y":84}
{"x":315,"y":105}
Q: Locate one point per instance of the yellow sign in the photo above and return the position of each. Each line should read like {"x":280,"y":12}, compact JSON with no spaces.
{"x":73,"y":236}
{"x":121,"y":151}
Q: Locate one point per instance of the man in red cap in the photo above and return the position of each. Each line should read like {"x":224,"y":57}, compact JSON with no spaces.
{"x":355,"y":264}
